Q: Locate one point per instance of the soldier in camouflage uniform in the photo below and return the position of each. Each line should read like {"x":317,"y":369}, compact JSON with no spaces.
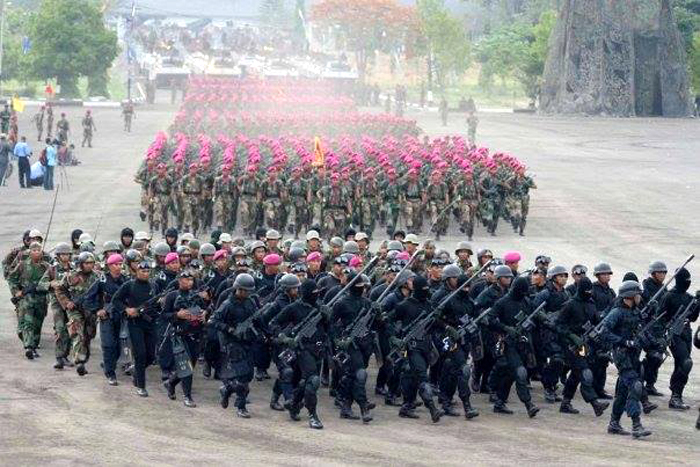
{"x":274,"y":199}
{"x":17,"y":251}
{"x":250,"y":199}
{"x":177,"y":204}
{"x":208,"y":178}
{"x":316,"y":183}
{"x":472,"y":123}
{"x":82,"y":325}
{"x":225,"y":192}
{"x":520,"y":193}
{"x":160,"y":190}
{"x":31,"y":301}
{"x":392,"y":200}
{"x":143,"y":178}
{"x":50,"y":282}
{"x":192,"y":190}
{"x":299,"y":194}
{"x":368,"y":194}
{"x":413,"y":200}
{"x":493,"y":200}
{"x":336,"y":207}
{"x":438,"y":198}
{"x":468,"y":203}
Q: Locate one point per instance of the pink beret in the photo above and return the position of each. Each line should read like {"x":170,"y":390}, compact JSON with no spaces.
{"x":313,"y":256}
{"x":404,"y":255}
{"x":115,"y":259}
{"x":272,"y":260}
{"x":220,"y":254}
{"x":511,"y":257}
{"x":171,"y":258}
{"x":355,"y":261}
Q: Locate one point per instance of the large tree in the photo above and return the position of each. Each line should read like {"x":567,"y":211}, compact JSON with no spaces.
{"x":366,"y":26}
{"x":69,"y":40}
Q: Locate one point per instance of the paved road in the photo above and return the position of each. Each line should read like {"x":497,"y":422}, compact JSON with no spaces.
{"x":618,"y":190}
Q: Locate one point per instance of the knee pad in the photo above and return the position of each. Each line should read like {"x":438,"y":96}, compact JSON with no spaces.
{"x":425,"y":390}
{"x":521,"y":374}
{"x":636,"y":390}
{"x":286,"y":375}
{"x":466,"y":372}
{"x":361,"y":376}
{"x":587,"y":376}
{"x":687,"y":365}
{"x":313,"y":383}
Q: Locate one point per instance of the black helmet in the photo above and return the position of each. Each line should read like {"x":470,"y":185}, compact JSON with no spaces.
{"x":244,"y":282}
{"x":127,"y":232}
{"x":288,"y":281}
{"x":171,"y":232}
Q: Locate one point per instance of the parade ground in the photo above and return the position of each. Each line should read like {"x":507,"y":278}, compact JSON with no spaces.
{"x":623,"y":191}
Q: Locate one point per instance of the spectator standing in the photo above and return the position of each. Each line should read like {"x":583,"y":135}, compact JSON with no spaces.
{"x":22,"y":153}
{"x":51,"y":160}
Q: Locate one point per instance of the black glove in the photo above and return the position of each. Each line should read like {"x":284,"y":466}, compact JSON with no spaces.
{"x":575,"y":340}
{"x":452,"y":333}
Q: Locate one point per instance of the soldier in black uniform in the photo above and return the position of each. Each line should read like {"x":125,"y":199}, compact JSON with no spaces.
{"x":98,"y":299}
{"x":353,"y":355}
{"x":306,"y":353}
{"x":574,"y":315}
{"x":136,"y":299}
{"x":621,"y":325}
{"x":511,"y":351}
{"x":183,"y":310}
{"x":414,"y":377}
{"x":654,"y":347}
{"x":673,"y":302}
{"x":232,"y":320}
{"x":599,"y":356}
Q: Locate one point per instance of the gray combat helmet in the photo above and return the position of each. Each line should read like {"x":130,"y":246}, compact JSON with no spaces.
{"x":351,"y":247}
{"x":244,"y":282}
{"x":394,"y":245}
{"x":295,"y":254}
{"x":404,"y":276}
{"x":301,"y":244}
{"x":133,"y":255}
{"x":657,"y":266}
{"x":602,"y":268}
{"x":464,"y":246}
{"x":502,"y":271}
{"x":207,"y":249}
{"x":629,"y":289}
{"x":451,"y":271}
{"x":111,"y":245}
{"x":86,"y":257}
{"x":63,"y":249}
{"x":336,"y":241}
{"x":289,"y":281}
{"x":556,"y":270}
{"x":161,"y":249}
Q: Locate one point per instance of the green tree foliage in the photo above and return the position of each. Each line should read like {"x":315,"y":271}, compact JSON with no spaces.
{"x":15,"y":63}
{"x":517,"y":51}
{"x":69,"y":40}
{"x":445,"y":39}
{"x":694,"y":63}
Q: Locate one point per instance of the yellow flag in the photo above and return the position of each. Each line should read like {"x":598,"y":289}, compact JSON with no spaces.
{"x":17,"y":104}
{"x":319,"y":157}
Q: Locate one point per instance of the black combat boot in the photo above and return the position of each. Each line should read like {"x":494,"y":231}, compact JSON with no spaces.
{"x":502,"y":408}
{"x":390,"y":400}
{"x":676,"y":402}
{"x":80,"y":369}
{"x":112,"y":380}
{"x":407,"y":411}
{"x":379,"y":391}
{"x":59,"y":364}
{"x":29,"y":353}
{"x":648,"y":406}
{"x":638,"y":431}
{"x":614,"y":428}
{"x":169,"y":385}
{"x":551,"y":396}
{"x":697,"y":423}
{"x":347,"y":413}
{"x":449,"y":410}
{"x":275,"y":402}
{"x":652,"y":391}
{"x":189,"y":402}
{"x":206,"y":370}
{"x":532,"y":409}
{"x":141,"y":392}
{"x":366,"y":413}
{"x":293,"y":410}
{"x":566,"y":407}
{"x":599,"y":407}
{"x":242,"y":412}
{"x":314,"y":421}
{"x":469,"y":411}
{"x":224,"y":396}
{"x":435,"y":413}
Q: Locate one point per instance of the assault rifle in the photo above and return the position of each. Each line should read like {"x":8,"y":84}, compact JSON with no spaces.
{"x":146,"y":309}
{"x":676,"y":325}
{"x":525,"y":321}
{"x":326,"y":307}
{"x":653,"y":302}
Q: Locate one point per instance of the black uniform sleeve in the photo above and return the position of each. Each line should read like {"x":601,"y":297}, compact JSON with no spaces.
{"x":169,"y":311}
{"x":119,"y":300}
{"x":92,"y":301}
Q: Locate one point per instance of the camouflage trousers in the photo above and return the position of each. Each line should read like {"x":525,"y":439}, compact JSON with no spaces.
{"x":60,"y":329}
{"x":193,"y":210}
{"x":146,"y":204}
{"x":413,"y":215}
{"x":160,"y":213}
{"x":391,"y":215}
{"x":82,"y":327}
{"x":249,"y":214}
{"x":222,"y":213}
{"x":368,"y":216}
{"x":179,"y":210}
{"x":467,"y":217}
{"x":334,"y":222}
{"x":31,"y":314}
{"x":298,"y":217}
{"x":439,"y":220}
{"x":207,"y":209}
{"x":274,"y":214}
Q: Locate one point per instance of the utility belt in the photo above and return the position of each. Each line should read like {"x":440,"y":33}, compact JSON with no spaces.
{"x":193,"y":192}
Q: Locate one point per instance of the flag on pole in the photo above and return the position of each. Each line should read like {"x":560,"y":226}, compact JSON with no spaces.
{"x":319,"y":157}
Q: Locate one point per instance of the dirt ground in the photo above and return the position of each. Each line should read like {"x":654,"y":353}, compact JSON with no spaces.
{"x":623,"y":191}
